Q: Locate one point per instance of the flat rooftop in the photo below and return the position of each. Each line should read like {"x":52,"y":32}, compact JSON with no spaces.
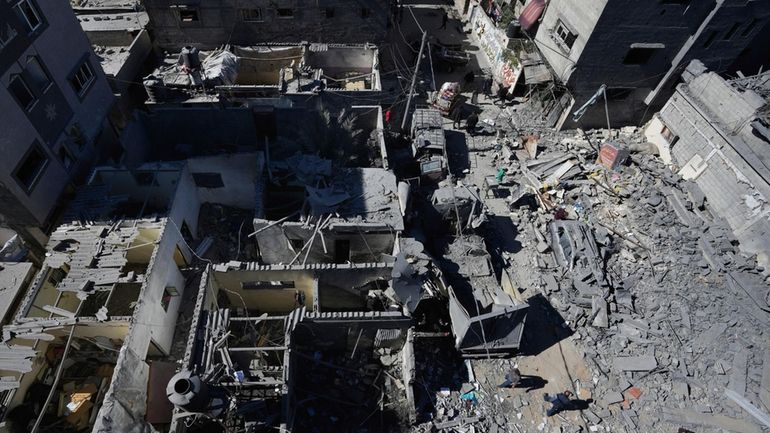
{"x":13,"y":281}
{"x":110,"y":22}
{"x":286,"y":68}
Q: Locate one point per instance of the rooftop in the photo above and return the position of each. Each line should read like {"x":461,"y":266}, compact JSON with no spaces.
{"x":299,"y":68}
{"x":111,"y":22}
{"x":13,"y":281}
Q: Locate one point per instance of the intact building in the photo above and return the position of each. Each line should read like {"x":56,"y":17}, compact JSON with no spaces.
{"x":209,"y":24}
{"x":638,"y":49}
{"x":54,"y":101}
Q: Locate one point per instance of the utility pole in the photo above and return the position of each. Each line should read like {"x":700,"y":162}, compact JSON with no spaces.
{"x":414,"y":81}
{"x":602,"y":92}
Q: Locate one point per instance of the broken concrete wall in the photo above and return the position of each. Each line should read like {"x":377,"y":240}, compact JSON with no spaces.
{"x":154,"y":184}
{"x":345,"y":58}
{"x":151,"y":321}
{"x":364,"y":246}
{"x":229,"y":180}
{"x":259,"y":68}
{"x":125,"y":402}
{"x":254,"y":289}
{"x":718,"y":160}
{"x":199,"y":130}
{"x":345,"y":287}
{"x":273,"y":288}
{"x":366,"y":342}
{"x":369,"y":119}
{"x":219,"y":22}
{"x":138,"y":49}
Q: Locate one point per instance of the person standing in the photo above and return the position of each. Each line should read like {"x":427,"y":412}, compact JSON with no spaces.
{"x":513,"y":377}
{"x":456,"y":115}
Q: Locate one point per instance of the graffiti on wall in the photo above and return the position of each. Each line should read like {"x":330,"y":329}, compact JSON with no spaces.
{"x":493,"y":43}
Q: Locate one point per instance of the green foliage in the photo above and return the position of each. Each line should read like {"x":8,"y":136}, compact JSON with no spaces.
{"x":507,"y":15}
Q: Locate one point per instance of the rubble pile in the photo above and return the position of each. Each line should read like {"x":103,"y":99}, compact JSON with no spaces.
{"x":669,"y":315}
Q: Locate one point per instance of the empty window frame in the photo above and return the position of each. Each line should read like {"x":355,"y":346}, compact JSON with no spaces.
{"x":328,"y":12}
{"x":37,"y":75}
{"x":28,"y":12}
{"x":285,"y":13}
{"x":564,"y":34}
{"x":31,"y":168}
{"x":22,"y":93}
{"x":168,"y":294}
{"x":83,"y":78}
{"x":188,"y":16}
{"x":208,"y":180}
{"x":251,"y":15}
{"x":668,"y":136}
{"x":638,"y":55}
{"x":365,"y":12}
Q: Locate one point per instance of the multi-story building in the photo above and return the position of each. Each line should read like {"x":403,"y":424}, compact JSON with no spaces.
{"x":638,"y":49}
{"x":55,"y":102}
{"x":209,"y":24}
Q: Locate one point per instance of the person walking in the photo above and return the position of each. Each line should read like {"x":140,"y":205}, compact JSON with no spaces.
{"x":487,"y":88}
{"x":470,"y":123}
{"x":456,"y":115}
{"x":559,"y":402}
{"x":444,"y":19}
{"x":502,"y":94}
{"x":513,"y":377}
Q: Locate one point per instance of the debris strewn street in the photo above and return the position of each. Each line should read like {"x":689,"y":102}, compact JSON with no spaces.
{"x":380,"y":216}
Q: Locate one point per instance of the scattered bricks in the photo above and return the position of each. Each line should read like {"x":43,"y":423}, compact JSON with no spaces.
{"x":634,"y":392}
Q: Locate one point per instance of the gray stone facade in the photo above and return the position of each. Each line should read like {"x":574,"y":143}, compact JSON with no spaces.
{"x":639,"y":48}
{"x":213,"y":23}
{"x":55,"y":102}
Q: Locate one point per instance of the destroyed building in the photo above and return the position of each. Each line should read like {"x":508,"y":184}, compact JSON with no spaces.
{"x":715,"y":132}
{"x":314,"y":214}
{"x":101,"y":317}
{"x":239,"y":73}
{"x":296,"y":348}
{"x":638,"y":49}
{"x":486,"y":320}
{"x":218,"y":22}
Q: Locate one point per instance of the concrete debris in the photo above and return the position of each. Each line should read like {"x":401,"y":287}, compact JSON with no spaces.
{"x":635,"y":363}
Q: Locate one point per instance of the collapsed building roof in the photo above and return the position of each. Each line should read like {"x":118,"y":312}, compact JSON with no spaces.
{"x":265,"y":359}
{"x":266,"y":69}
{"x":414,"y":276}
{"x":485,"y":319}
{"x":309,"y":209}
